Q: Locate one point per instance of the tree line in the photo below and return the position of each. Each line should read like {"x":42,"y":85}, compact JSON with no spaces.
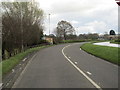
{"x":22,"y":26}
{"x":65,"y":31}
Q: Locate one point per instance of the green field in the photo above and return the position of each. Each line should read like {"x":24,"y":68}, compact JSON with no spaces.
{"x":73,"y":41}
{"x":107,"y":53}
{"x":8,"y":64}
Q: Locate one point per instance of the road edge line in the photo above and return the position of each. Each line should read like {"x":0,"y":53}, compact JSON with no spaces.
{"x":20,"y":76}
{"x":78,"y":69}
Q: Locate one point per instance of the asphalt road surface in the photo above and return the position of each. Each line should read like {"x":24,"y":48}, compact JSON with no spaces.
{"x":67,"y":66}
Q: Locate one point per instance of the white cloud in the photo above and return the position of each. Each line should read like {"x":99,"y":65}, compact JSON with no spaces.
{"x":74,"y":22}
{"x":93,"y":27}
{"x":89,"y":15}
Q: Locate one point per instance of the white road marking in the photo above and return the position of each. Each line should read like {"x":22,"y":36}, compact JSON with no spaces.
{"x":13,"y":70}
{"x":69,"y":57}
{"x":89,"y":79}
{"x":20,"y":76}
{"x":76,"y":63}
{"x":1,"y":84}
{"x":7,"y":84}
{"x":80,"y":48}
{"x":89,"y":73}
{"x":24,"y":59}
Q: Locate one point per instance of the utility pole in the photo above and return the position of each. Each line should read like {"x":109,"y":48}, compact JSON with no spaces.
{"x":49,"y":24}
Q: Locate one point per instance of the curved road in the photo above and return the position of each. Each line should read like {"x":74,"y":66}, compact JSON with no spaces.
{"x":67,"y":66}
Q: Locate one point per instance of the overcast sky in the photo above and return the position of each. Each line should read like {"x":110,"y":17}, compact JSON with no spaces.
{"x":87,"y":16}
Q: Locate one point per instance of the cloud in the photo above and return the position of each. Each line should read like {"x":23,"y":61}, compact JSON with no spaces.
{"x":88,"y":15}
{"x":68,"y":6}
{"x":74,"y":22}
{"x":93,"y":27}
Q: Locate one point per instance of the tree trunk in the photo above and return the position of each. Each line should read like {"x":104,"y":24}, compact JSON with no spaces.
{"x":3,"y":54}
{"x":64,"y":35}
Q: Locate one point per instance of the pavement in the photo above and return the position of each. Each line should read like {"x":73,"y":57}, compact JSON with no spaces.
{"x":67,"y":66}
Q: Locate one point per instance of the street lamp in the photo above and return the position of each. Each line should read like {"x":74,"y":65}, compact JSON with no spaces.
{"x":77,"y":31}
{"x":49,"y":24}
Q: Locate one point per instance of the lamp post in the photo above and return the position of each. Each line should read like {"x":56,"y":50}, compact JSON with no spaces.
{"x":77,"y":31}
{"x":49,"y":24}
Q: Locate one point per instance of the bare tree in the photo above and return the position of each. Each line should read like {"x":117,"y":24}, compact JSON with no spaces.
{"x":64,"y":28}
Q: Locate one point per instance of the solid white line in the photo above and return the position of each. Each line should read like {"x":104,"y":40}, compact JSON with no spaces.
{"x":18,"y":79}
{"x":89,"y":79}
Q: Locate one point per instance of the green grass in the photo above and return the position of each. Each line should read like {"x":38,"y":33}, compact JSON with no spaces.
{"x":95,"y":41}
{"x":115,"y":41}
{"x":10,"y":63}
{"x":73,"y":41}
{"x":107,"y":53}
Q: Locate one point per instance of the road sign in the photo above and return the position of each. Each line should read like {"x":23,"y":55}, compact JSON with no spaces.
{"x":118,"y":2}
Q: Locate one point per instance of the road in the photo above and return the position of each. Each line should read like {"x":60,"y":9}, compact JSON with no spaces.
{"x":67,"y":66}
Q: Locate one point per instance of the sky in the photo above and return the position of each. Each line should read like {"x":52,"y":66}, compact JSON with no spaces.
{"x":86,"y":16}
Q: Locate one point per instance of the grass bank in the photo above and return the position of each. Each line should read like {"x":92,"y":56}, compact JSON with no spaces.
{"x":107,"y":53}
{"x":10,"y":63}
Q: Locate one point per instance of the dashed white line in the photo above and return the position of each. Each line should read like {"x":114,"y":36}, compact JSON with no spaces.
{"x":89,"y":73}
{"x":24,"y":59}
{"x":1,"y":85}
{"x":69,"y":57}
{"x":89,"y":79}
{"x":13,"y":70}
{"x":76,"y":63}
{"x":80,"y":48}
{"x":14,"y":86}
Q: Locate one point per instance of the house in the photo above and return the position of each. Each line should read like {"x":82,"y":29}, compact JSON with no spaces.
{"x":48,"y":39}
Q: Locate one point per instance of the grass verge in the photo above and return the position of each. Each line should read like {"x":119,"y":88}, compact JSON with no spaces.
{"x":10,"y":63}
{"x":115,"y":41}
{"x":107,"y":53}
{"x":73,"y":41}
